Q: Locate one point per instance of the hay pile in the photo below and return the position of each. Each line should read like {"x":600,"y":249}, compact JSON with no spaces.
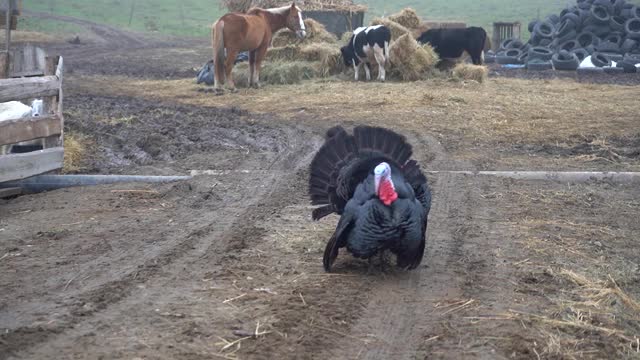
{"x":278,"y":72}
{"x":407,"y":18}
{"x":470,"y":72}
{"x":316,"y":33}
{"x":337,"y":5}
{"x":409,"y":60}
{"x":291,"y":60}
{"x":396,"y":29}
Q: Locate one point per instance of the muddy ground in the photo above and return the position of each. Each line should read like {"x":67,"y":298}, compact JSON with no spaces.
{"x":194,"y":270}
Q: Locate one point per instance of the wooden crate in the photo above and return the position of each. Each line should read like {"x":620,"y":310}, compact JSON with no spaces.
{"x":50,"y":125}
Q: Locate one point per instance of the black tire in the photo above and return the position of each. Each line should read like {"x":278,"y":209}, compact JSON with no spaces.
{"x":617,"y":23}
{"x":569,"y":45}
{"x":607,"y":4}
{"x":544,"y":42}
{"x":632,"y":28}
{"x":590,"y":49}
{"x":565,"y":61}
{"x":615,"y":37}
{"x":540,"y":53}
{"x":505,"y":43}
{"x":600,"y":15}
{"x":627,"y":11}
{"x":628,"y":45}
{"x":539,"y":65}
{"x":584,"y":4}
{"x":544,"y":29}
{"x":608,"y":46}
{"x":598,"y":30}
{"x":618,"y":6}
{"x":504,"y":60}
{"x":532,"y":25}
{"x":553,"y":19}
{"x":632,"y":58}
{"x":599,"y":60}
{"x":581,"y":53}
{"x":586,"y":38}
{"x":489,"y":59}
{"x":613,"y":70}
{"x":515,"y":44}
{"x":513,"y":52}
{"x":566,"y":37}
{"x":628,"y":67}
{"x":575,"y":18}
{"x":523,"y":58}
{"x":613,"y":56}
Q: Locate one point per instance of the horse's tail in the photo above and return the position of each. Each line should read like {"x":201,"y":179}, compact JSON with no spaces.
{"x":217,"y":38}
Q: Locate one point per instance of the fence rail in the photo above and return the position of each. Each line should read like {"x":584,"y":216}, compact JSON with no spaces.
{"x":48,"y":128}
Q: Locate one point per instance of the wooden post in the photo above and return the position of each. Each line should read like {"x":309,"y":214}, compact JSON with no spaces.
{"x":4,"y":65}
{"x":8,"y":26}
{"x":133,"y":7}
{"x":51,"y":103}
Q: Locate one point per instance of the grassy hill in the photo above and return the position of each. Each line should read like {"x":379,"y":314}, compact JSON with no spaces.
{"x":194,"y":17}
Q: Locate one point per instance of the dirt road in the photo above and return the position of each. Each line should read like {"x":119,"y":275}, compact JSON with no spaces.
{"x":229,"y":265}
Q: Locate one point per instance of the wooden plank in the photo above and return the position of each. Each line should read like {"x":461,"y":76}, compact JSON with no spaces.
{"x":4,"y":65}
{"x":17,"y":89}
{"x":25,"y":129}
{"x":20,"y":166}
{"x":12,"y":191}
{"x":26,"y":73}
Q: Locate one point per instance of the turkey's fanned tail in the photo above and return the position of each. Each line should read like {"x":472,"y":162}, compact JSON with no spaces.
{"x":345,"y":160}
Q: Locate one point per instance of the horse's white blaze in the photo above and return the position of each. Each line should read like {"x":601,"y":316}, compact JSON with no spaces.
{"x":301,"y":22}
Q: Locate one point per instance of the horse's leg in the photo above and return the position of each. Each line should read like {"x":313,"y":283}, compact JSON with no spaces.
{"x":229,"y":62}
{"x":260,"y":54}
{"x":252,"y":67}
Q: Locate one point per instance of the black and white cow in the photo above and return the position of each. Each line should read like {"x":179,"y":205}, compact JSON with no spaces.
{"x":451,"y":43}
{"x":368,"y":45}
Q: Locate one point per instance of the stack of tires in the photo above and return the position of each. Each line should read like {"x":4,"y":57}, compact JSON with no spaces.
{"x":606,"y":30}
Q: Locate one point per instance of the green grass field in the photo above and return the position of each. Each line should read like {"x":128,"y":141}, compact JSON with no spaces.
{"x":194,"y":17}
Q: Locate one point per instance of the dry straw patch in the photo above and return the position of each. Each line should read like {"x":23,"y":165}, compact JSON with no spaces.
{"x":470,"y":72}
{"x":75,"y":151}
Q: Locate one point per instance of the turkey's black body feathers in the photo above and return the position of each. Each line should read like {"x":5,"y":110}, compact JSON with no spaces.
{"x":342,"y":181}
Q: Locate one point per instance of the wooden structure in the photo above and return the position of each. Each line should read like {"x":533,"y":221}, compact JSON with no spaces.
{"x":48,"y":127}
{"x":503,"y":31}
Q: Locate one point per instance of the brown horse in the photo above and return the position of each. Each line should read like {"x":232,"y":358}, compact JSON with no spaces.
{"x":250,"y":32}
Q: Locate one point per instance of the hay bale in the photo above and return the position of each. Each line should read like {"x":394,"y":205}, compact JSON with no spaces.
{"x":328,"y":57}
{"x":284,"y":53}
{"x":397,"y":30}
{"x":409,"y":60}
{"x":470,"y":72}
{"x":407,"y":18}
{"x":346,"y":37}
{"x":278,"y":72}
{"x":316,"y":33}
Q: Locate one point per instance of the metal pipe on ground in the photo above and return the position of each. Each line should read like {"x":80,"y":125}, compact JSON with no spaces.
{"x":41,"y":183}
{"x":560,"y":176}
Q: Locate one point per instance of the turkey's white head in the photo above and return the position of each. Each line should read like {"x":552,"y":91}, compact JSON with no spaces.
{"x":384,"y":185}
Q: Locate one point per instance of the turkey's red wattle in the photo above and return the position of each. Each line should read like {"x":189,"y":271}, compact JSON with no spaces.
{"x":387,"y":193}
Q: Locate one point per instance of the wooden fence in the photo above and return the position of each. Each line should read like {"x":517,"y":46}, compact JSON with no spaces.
{"x":48,"y":126}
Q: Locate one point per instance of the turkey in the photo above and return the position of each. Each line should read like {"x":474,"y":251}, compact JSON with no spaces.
{"x":381,"y":195}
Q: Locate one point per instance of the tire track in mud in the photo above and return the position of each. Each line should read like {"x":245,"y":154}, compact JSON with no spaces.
{"x":202,"y":250}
